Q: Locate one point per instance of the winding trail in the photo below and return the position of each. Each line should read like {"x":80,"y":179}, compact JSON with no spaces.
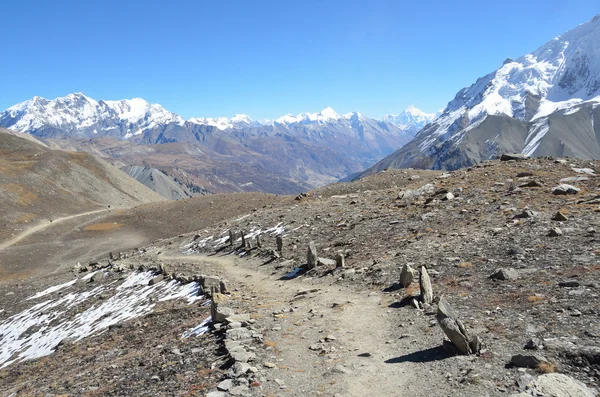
{"x":43,"y":225}
{"x":367,"y":343}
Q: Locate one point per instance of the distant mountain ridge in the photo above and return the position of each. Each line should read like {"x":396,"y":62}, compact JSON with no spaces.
{"x":546,"y":103}
{"x":287,"y":155}
{"x":81,"y":116}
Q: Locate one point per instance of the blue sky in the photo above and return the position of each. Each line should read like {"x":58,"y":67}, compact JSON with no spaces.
{"x":268,"y":58}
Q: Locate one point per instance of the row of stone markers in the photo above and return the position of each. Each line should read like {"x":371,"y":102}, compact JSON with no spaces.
{"x":460,"y":341}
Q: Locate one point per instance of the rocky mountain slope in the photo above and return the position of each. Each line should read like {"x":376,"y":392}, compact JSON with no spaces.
{"x":510,"y":248}
{"x":542,"y":104}
{"x":38,"y":183}
{"x":161,"y":182}
{"x":287,"y":155}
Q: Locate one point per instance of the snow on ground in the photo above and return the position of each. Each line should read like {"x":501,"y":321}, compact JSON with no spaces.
{"x":36,"y":331}
{"x":202,"y":328}
{"x":52,"y":289}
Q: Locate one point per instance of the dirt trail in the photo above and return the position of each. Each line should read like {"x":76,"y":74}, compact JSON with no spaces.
{"x":43,"y":225}
{"x":365,"y":336}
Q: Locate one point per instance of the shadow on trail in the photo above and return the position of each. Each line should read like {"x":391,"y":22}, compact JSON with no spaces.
{"x":422,"y":356}
{"x":297,"y":272}
{"x":406,"y":301}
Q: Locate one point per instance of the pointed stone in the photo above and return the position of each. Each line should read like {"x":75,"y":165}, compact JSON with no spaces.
{"x":231,"y":237}
{"x":453,"y":327}
{"x":243,"y":239}
{"x":407,"y":275}
{"x":311,"y":256}
{"x":560,"y":217}
{"x":340,"y":260}
{"x":279,"y":240}
{"x":258,"y":242}
{"x":426,"y":289}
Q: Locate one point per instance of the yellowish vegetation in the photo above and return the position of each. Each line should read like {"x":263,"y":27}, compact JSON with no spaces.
{"x":102,"y":227}
{"x":24,"y":197}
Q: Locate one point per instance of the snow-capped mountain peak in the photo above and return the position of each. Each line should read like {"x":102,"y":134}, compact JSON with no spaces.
{"x":411,"y":119}
{"x":77,"y":113}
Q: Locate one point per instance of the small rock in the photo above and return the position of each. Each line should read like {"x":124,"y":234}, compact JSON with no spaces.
{"x":533,"y":344}
{"x":525,"y":214}
{"x":505,"y":274}
{"x":527,"y":361}
{"x":560,"y":217}
{"x":563,"y":188}
{"x":269,"y":365}
{"x":569,"y":283}
{"x":513,"y":156}
{"x":407,"y":275}
{"x":555,"y":232}
{"x":226,"y":385}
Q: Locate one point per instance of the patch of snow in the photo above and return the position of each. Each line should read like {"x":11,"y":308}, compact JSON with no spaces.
{"x":52,"y":289}
{"x":201,"y":329}
{"x":35,"y":332}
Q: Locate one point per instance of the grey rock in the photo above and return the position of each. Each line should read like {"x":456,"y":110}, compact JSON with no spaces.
{"x":563,"y":188}
{"x":98,"y":276}
{"x":327,"y":262}
{"x":311,"y":256}
{"x":569,"y":283}
{"x":220,"y":313}
{"x":556,"y":385}
{"x":533,"y":344}
{"x":239,"y":390}
{"x":258,"y":241}
{"x":407,"y":275}
{"x":238,"y":369}
{"x":156,"y":279}
{"x":455,"y":330}
{"x":555,"y":232}
{"x":425,"y":284}
{"x":239,"y":334}
{"x":279,"y":241}
{"x":216,"y":394}
{"x":226,"y":385}
{"x":527,"y":361}
{"x":560,"y":217}
{"x":340,"y":261}
{"x":573,"y":179}
{"x":505,"y":274}
{"x":241,"y":318}
{"x":242,"y":356}
{"x":513,"y":156}
{"x":526,"y":214}
{"x":231,"y":237}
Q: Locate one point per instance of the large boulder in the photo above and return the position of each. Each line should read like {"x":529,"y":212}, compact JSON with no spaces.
{"x":556,"y":385}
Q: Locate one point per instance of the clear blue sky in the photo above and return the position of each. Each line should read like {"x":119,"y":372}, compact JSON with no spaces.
{"x":269,"y":58}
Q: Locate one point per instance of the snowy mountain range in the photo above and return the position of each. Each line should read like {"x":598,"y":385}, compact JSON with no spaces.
{"x":286,"y":155}
{"x":546,"y":103}
{"x":79,"y":115}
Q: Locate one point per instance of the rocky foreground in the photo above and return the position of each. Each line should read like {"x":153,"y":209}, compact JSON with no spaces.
{"x":482,"y":281}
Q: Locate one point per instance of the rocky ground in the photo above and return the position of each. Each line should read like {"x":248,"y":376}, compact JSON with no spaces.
{"x":511,"y":249}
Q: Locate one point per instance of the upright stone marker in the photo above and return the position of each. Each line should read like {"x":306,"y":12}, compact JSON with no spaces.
{"x":311,"y":256}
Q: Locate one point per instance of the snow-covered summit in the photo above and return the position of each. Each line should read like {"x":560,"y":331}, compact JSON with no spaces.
{"x":223,"y":123}
{"x":325,"y":116}
{"x":411,"y":119}
{"x":567,"y":67}
{"x":76,"y":112}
